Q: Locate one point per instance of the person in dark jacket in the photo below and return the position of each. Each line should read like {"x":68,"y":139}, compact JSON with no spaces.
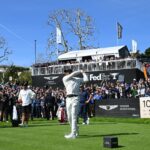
{"x":49,"y":105}
{"x":83,"y":112}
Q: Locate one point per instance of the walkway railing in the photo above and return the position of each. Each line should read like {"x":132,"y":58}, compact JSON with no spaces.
{"x":128,"y":63}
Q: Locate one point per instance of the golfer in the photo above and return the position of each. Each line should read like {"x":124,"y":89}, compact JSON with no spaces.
{"x":72,"y":85}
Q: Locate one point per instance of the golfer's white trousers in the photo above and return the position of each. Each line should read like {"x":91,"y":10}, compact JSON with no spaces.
{"x":72,"y":105}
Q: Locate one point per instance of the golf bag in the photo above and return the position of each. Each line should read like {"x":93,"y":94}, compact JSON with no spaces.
{"x":15,"y":119}
{"x":61,"y":114}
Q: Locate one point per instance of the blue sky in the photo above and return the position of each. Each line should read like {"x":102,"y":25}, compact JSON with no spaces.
{"x":23,"y":21}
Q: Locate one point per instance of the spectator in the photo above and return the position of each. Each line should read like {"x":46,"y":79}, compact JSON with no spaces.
{"x":83,"y":113}
{"x":49,"y":105}
{"x":25,"y":96}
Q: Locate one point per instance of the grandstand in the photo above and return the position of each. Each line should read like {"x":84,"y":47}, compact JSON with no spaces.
{"x":110,"y":63}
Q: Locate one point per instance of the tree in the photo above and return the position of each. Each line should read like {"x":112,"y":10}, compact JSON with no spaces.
{"x":80,"y":25}
{"x":41,"y":58}
{"x":137,"y":54}
{"x":4,"y":51}
{"x":13,"y":73}
{"x":25,"y":76}
{"x":147,"y":52}
{"x":76,"y":28}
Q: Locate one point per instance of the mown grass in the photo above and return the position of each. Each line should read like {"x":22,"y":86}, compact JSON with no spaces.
{"x":133,"y":134}
{"x":122,"y":120}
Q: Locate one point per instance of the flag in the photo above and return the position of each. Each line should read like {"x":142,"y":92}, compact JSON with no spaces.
{"x":134,"y":46}
{"x":58,"y":35}
{"x":119,"y":30}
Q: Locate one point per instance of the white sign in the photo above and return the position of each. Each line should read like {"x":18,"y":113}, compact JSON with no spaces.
{"x":145,"y":107}
{"x":103,"y":76}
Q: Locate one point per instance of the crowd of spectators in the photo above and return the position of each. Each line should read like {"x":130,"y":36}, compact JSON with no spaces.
{"x":48,"y":100}
{"x":74,"y":61}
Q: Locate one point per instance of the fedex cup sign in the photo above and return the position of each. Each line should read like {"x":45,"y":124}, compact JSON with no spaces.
{"x":145,"y":107}
{"x":103,"y":76}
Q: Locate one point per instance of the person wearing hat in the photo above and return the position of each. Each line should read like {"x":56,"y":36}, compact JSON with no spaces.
{"x":25,"y":98}
{"x":72,"y":85}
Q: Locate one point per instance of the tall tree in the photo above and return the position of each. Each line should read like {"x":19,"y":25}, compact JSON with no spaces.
{"x":81,"y":26}
{"x":76,"y":29}
{"x":14,"y":72}
{"x":25,"y":76}
{"x":4,"y":51}
{"x":147,"y":52}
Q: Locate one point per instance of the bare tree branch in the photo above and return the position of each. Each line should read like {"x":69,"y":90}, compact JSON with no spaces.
{"x":78,"y":24}
{"x":4,"y":50}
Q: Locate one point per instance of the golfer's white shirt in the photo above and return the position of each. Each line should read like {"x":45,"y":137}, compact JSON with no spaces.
{"x":72,"y":83}
{"x":26,"y":96}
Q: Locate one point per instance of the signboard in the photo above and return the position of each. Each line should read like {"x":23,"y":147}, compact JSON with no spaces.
{"x":145,"y":107}
{"x":118,"y":108}
{"x":95,"y":77}
{"x":53,"y":80}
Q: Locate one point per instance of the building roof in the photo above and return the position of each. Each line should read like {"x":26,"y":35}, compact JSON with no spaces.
{"x":90,"y":52}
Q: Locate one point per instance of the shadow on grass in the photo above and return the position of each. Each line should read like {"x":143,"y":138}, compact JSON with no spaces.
{"x":101,"y":123}
{"x":47,"y":124}
{"x":102,"y":135}
{"x":34,"y":125}
{"x":120,"y":146}
{"x":6,"y":126}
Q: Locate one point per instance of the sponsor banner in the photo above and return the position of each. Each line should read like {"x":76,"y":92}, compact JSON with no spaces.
{"x":118,"y":108}
{"x":145,"y":107}
{"x":113,"y":75}
{"x":95,"y":77}
{"x":54,"y":80}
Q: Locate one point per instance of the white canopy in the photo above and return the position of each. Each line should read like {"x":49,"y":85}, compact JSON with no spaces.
{"x":90,"y":52}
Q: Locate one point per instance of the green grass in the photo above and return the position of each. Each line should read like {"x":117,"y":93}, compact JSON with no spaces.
{"x":133,"y":134}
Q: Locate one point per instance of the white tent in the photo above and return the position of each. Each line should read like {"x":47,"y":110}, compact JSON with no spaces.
{"x":90,"y":52}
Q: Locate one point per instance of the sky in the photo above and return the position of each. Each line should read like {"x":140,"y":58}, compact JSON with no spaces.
{"x":24,"y":21}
